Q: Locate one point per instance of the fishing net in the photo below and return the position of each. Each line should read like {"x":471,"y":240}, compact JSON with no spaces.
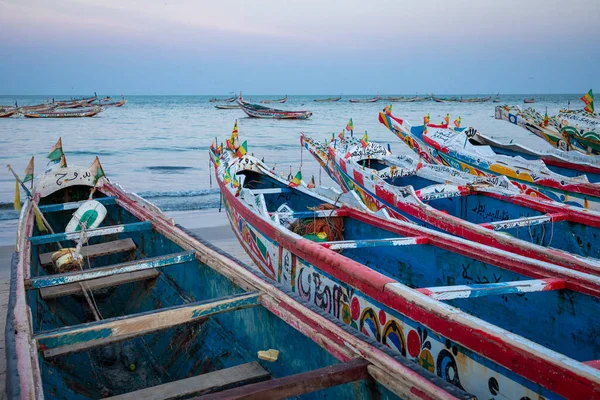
{"x":322,"y":229}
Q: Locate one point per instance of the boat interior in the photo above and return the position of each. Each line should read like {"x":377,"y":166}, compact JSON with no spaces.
{"x":518,"y":221}
{"x":144,"y":317}
{"x":560,"y":319}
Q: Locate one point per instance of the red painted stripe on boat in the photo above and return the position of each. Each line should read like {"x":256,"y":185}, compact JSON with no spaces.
{"x":593,"y":364}
{"x":584,"y":168}
{"x":425,"y":291}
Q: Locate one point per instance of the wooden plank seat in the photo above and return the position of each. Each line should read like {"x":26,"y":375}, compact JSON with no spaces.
{"x":68,"y":289}
{"x":108,"y":230}
{"x":97,"y":250}
{"x":525,"y":221}
{"x":110,"y":200}
{"x":299,"y":384}
{"x":201,"y":384}
{"x":270,"y":191}
{"x":101,"y":272}
{"x":85,"y":336}
{"x":357,"y":244}
{"x":491,"y":289}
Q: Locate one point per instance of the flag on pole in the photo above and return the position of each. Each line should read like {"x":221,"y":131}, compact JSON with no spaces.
{"x":341,"y":135}
{"x":235,"y":182}
{"x":17,"y":200}
{"x":588,"y":99}
{"x":29,"y":171}
{"x":447,"y":119}
{"x":350,"y":125}
{"x":234,"y":133}
{"x":457,"y":122}
{"x":426,"y":119}
{"x":311,"y":184}
{"x":297,"y":180}
{"x":388,"y":110}
{"x":332,"y":136}
{"x":242,"y":150}
{"x":365,"y":140}
{"x":56,"y":152}
{"x":96,"y":170}
{"x":227,"y":177}
{"x":546,"y":119}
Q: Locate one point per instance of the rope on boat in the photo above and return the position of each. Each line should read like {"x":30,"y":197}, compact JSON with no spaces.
{"x":331,"y":228}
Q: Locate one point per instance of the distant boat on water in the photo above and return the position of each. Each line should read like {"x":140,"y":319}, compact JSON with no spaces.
{"x":7,"y":112}
{"x":282,"y":100}
{"x":529,"y":101}
{"x":227,"y":106}
{"x":227,"y":100}
{"x":89,"y":112}
{"x":328,"y":99}
{"x":371,"y":100}
{"x":258,"y":111}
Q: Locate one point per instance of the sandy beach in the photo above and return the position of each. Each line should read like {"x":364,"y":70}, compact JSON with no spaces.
{"x":208,"y":224}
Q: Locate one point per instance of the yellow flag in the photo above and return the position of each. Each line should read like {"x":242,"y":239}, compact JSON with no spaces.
{"x":17,"y":201}
{"x":39,"y":222}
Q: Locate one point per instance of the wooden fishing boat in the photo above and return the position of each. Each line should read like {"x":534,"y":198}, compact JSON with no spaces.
{"x":558,"y":131}
{"x":451,"y":305}
{"x":481,"y":209}
{"x":568,"y":163}
{"x":74,"y":103}
{"x":582,"y":127}
{"x":227,"y":100}
{"x":440,"y":145}
{"x":282,"y":100}
{"x":88,"y":112}
{"x":328,"y":99}
{"x":145,"y":309}
{"x":36,"y":108}
{"x":119,"y":103}
{"x":392,"y":99}
{"x":7,"y":112}
{"x":227,"y":106}
{"x":529,"y":101}
{"x":258,"y":111}
{"x":371,"y":100}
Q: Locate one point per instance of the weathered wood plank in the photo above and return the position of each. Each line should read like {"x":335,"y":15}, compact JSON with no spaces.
{"x":357,"y":244}
{"x":201,"y":384}
{"x":92,"y":334}
{"x":296,"y":385}
{"x":75,"y":204}
{"x":97,"y":250}
{"x":99,"y":283}
{"x":493,"y":289}
{"x":109,"y":230}
{"x":137,"y":265}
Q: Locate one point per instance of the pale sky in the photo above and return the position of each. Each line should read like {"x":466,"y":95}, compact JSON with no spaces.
{"x":299,"y":47}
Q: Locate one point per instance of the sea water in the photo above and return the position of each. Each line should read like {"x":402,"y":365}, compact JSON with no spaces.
{"x":157,"y":146}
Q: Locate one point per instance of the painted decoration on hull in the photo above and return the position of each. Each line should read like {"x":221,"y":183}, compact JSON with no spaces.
{"x":433,"y":352}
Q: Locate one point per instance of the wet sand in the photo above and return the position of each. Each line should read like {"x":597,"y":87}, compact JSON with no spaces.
{"x":209,"y":224}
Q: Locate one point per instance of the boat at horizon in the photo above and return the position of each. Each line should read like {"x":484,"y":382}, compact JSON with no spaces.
{"x":328,"y":99}
{"x":282,"y":100}
{"x":258,"y":111}
{"x":371,"y":100}
{"x":227,"y":106}
{"x":58,"y":113}
{"x":529,"y":101}
{"x":226,"y":100}
{"x":109,"y":297}
{"x":6,"y":112}
{"x":441,"y":300}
